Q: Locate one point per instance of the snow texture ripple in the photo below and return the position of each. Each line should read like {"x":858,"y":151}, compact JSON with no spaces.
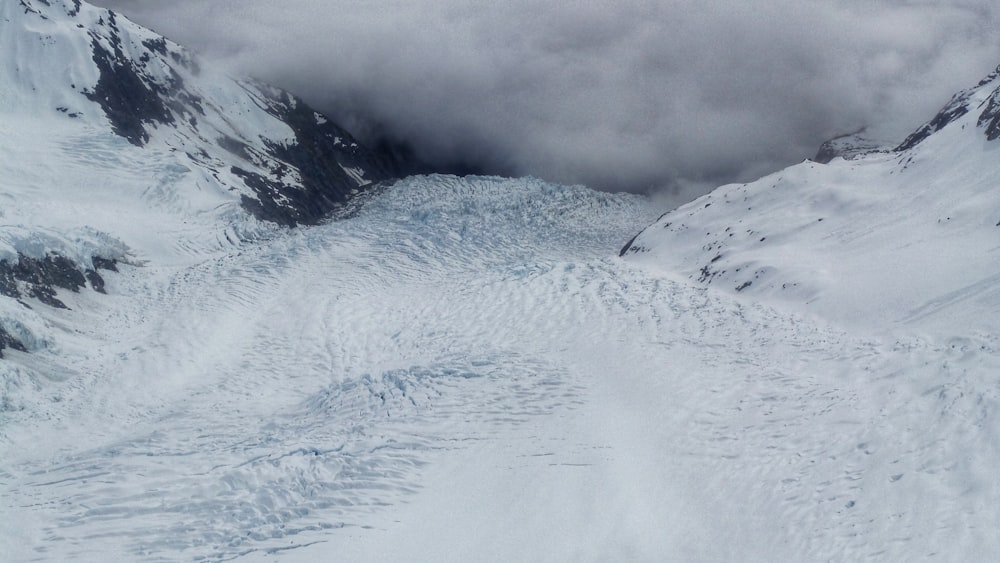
{"x":463,"y":370}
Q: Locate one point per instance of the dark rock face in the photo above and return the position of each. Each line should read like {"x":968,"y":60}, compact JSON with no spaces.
{"x":846,"y":146}
{"x":39,"y":278}
{"x":129,"y":96}
{"x":321,"y":155}
{"x":957,"y":107}
{"x":8,"y":341}
{"x":126,"y":99}
{"x":629,"y":246}
{"x":990,"y":118}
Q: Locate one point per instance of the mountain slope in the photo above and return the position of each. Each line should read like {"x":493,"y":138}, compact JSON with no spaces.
{"x":263,"y":147}
{"x":120,"y":146}
{"x":908,"y":237}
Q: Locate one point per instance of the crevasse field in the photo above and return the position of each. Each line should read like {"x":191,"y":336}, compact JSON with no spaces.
{"x":465,"y":370}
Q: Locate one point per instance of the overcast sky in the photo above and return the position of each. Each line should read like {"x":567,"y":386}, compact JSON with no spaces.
{"x":627,"y":94}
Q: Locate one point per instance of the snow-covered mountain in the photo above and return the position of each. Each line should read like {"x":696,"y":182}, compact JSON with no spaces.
{"x":890,"y":237}
{"x":800,"y":368}
{"x":92,"y":72}
{"x":106,"y":127}
{"x":848,"y":147}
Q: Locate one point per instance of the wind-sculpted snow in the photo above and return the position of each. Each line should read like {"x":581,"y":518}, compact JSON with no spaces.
{"x":322,"y":465}
{"x":462,"y":370}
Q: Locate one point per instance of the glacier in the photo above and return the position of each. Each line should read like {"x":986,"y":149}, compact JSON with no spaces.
{"x":805,"y":367}
{"x":465,"y":370}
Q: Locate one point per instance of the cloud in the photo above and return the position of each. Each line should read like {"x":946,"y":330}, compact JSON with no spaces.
{"x":635,"y":95}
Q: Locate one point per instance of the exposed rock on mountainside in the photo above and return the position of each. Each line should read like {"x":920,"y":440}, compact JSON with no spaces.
{"x":877,"y":232}
{"x":285,"y":162}
{"x":847,"y":146}
{"x":39,"y":277}
{"x":961,"y":104}
{"x":107,"y":127}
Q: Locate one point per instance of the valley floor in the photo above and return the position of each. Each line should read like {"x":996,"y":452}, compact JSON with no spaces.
{"x":464,"y":371}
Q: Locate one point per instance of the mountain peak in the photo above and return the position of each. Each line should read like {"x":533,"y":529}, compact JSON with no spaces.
{"x":983,"y":98}
{"x":847,"y":146}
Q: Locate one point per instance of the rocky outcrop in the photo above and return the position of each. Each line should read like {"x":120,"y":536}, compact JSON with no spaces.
{"x":990,"y":118}
{"x":39,"y":278}
{"x":960,"y":105}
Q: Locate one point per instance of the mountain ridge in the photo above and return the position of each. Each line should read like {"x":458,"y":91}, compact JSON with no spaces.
{"x":153,"y":142}
{"x":800,"y":368}
{"x":794,"y":235}
{"x":288,"y":163}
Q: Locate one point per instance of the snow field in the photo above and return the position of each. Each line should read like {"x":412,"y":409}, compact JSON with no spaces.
{"x":462,"y":372}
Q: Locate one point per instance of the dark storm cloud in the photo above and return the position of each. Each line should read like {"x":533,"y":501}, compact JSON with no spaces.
{"x":676,"y":94}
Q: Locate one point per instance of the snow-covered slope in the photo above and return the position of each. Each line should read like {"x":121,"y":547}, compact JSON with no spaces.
{"x":909,"y":237}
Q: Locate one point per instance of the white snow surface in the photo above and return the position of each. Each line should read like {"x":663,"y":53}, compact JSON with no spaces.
{"x":465,"y":371}
{"x":890,"y":241}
